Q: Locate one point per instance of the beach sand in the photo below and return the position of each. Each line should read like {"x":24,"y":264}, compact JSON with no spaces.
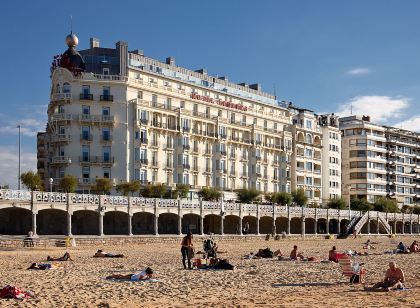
{"x":82,"y":283}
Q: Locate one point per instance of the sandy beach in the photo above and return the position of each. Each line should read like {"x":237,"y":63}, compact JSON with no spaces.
{"x":82,"y":283}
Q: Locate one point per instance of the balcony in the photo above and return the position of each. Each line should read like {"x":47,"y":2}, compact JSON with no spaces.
{"x":99,"y":160}
{"x":143,"y":140}
{"x":154,"y":144}
{"x":107,"y":119}
{"x":195,"y":149}
{"x":86,"y":137}
{"x":195,"y":168}
{"x":207,"y":170}
{"x":143,"y":161}
{"x":244,"y":158}
{"x":223,"y":136}
{"x":169,"y":166}
{"x":86,"y":97}
{"x":106,"y":98}
{"x":186,"y":129}
{"x":61,"y":160}
{"x":207,"y":152}
{"x":258,"y":158}
{"x":144,"y":121}
{"x":106,"y":138}
{"x":186,"y":166}
{"x":155,"y":164}
{"x":86,"y":181}
{"x":258,"y":142}
{"x":186,"y":147}
{"x":223,"y":152}
{"x":60,"y":138}
{"x":258,"y":174}
{"x":61,"y":97}
{"x":232,"y":155}
{"x":224,"y":171}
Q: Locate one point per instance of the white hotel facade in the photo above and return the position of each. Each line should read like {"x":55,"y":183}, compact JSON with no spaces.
{"x":124,"y":116}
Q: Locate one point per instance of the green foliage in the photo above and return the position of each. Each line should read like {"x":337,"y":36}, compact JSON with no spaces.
{"x":407,"y":209}
{"x":299,"y":197}
{"x":154,"y":191}
{"x":386,"y":205}
{"x":416,"y":210}
{"x":247,"y":195}
{"x":210,"y":194}
{"x":103,"y":186}
{"x":181,"y":191}
{"x":282,"y":198}
{"x":31,"y":180}
{"x":68,"y":183}
{"x":360,"y":205}
{"x":337,"y":204}
{"x":128,"y":187}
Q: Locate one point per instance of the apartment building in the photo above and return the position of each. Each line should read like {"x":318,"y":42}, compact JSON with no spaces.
{"x":379,"y":161}
{"x":121,"y":115}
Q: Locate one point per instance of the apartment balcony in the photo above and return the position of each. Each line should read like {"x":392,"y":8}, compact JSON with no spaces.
{"x":232,"y":156}
{"x":195,"y":168}
{"x":258,"y":142}
{"x":207,"y":152}
{"x":317,"y":171}
{"x":244,"y":158}
{"x":64,"y":160}
{"x":258,"y":174}
{"x":86,"y":181}
{"x":161,"y":125}
{"x":96,"y":160}
{"x":154,"y":144}
{"x":143,"y":161}
{"x":186,"y":147}
{"x":234,"y":138}
{"x":107,"y":119}
{"x":143,"y":121}
{"x":207,"y":170}
{"x":61,"y":97}
{"x":143,"y":182}
{"x":244,"y":175}
{"x":258,"y":158}
{"x":86,"y":97}
{"x":60,"y":138}
{"x":143,"y":140}
{"x":186,"y":166}
{"x":223,"y":152}
{"x":232,"y":173}
{"x":275,"y":163}
{"x":195,"y":150}
{"x":155,"y":164}
{"x":168,"y":146}
{"x":106,"y":138}
{"x":61,"y":117}
{"x":186,"y":129}
{"x":223,"y":136}
{"x":86,"y":137}
{"x":106,"y":98}
{"x":224,"y":171}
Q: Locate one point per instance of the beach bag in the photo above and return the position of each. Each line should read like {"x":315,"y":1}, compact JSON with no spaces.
{"x":14,"y":292}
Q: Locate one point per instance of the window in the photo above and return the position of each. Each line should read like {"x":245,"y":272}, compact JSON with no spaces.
{"x":182,"y":104}
{"x":107,"y":173}
{"x":154,"y":100}
{"x":140,"y":94}
{"x":309,"y":139}
{"x":106,"y":91}
{"x":86,"y":172}
{"x":106,"y":136}
{"x":106,"y":154}
{"x":105,"y":71}
{"x":85,"y":110}
{"x":66,"y":88}
{"x":106,"y":111}
{"x":85,"y":133}
{"x":85,"y":153}
{"x":309,"y":124}
{"x":85,"y":90}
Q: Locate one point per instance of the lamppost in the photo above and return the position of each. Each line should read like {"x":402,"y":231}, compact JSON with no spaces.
{"x":51,"y":183}
{"x":18,"y":127}
{"x":348,"y":186}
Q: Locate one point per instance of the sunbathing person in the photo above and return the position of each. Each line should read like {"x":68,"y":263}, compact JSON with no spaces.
{"x":295,"y":255}
{"x":103,"y":254}
{"x":394,"y":279}
{"x":401,"y":248}
{"x":332,"y":254}
{"x":66,"y":257}
{"x":143,"y":275}
{"x":368,"y":245}
{"x":414,"y":247}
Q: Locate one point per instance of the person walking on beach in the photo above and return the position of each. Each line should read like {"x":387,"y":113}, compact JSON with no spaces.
{"x":246,"y":228}
{"x":394,"y":279}
{"x":187,"y":250}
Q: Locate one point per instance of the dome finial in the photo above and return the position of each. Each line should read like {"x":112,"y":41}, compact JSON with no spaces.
{"x":72,"y":40}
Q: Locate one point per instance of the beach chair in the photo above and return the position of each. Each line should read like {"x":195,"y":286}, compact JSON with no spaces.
{"x":352,"y":269}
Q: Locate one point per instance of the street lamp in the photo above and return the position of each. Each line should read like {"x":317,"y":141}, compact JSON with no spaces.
{"x":51,"y":183}
{"x":18,"y":127}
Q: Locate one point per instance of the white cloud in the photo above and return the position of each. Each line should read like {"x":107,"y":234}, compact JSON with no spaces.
{"x":9,"y":159}
{"x":412,"y":124}
{"x":380,"y":108}
{"x":359,"y":71}
{"x":29,"y":127}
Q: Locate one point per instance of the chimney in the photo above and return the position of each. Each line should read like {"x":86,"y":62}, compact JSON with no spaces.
{"x":170,"y":61}
{"x":94,"y":42}
{"x":255,"y":86}
{"x":202,"y":71}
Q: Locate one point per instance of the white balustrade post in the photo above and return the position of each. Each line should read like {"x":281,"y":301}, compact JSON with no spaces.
{"x":288,"y":219}
{"x":156,"y":219}
{"x":377,"y":224}
{"x":130,"y":224}
{"x":303,"y":226}
{"x":34,"y":226}
{"x":328,"y":223}
{"x":240,"y":219}
{"x":338,"y":225}
{"x":101,"y":223}
{"x":316,"y":221}
{"x":258,"y":219}
{"x":179,"y":217}
{"x":201,"y":217}
{"x":69,"y":215}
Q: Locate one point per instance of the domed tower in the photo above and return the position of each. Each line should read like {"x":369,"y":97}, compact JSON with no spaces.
{"x":71,"y":59}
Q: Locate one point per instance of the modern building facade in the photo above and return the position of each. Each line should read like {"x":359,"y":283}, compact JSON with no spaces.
{"x":379,"y":161}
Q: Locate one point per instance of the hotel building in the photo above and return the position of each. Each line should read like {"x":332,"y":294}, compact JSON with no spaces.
{"x":379,"y":161}
{"x":121,"y":115}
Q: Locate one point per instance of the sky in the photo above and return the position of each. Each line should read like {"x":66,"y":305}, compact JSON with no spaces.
{"x":327,"y":56}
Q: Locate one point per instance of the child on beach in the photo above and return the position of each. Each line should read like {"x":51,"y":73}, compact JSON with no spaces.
{"x":147,"y":274}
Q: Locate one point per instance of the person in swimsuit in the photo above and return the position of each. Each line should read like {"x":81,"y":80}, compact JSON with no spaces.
{"x":394,"y":279}
{"x":187,"y":249}
{"x":414,"y":247}
{"x":66,"y":257}
{"x":295,"y":255}
{"x":143,"y":275}
{"x":103,"y":254}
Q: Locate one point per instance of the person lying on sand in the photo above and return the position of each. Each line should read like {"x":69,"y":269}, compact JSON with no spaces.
{"x":401,"y":248}
{"x":103,"y":254}
{"x":66,"y":257}
{"x":394,"y":279}
{"x":143,"y":275}
{"x":368,"y":245}
{"x":295,"y":255}
{"x":414,"y":247}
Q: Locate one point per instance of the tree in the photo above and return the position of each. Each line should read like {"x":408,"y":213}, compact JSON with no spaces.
{"x":128,"y":187}
{"x":181,"y":191}
{"x":68,"y":183}
{"x":103,"y":186}
{"x":406,"y":209}
{"x":337,"y":204}
{"x":31,"y":180}
{"x":154,"y":191}
{"x":386,"y":205}
{"x":416,"y":210}
{"x":247,"y":195}
{"x":357,"y":204}
{"x":210,"y":194}
{"x":299,"y":197}
{"x":283,"y":198}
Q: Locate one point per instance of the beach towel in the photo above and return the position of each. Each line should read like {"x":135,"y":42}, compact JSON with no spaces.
{"x":10,"y":291}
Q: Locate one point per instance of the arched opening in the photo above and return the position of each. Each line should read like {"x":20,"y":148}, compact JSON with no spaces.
{"x":300,"y":137}
{"x":308,"y":138}
{"x":407,"y":227}
{"x":57,"y":88}
{"x":116,"y":223}
{"x":281,"y":225}
{"x":333,"y":226}
{"x":416,"y":228}
{"x":168,"y":223}
{"x":373,"y":226}
{"x":400,"y":227}
{"x":85,"y":223}
{"x":143,"y":223}
{"x":309,"y":226}
{"x":231,"y":224}
{"x":252,"y":222}
{"x":15,"y":221}
{"x":343,"y":225}
{"x":51,"y":222}
{"x":322,"y":226}
{"x":266,"y":225}
{"x":296,"y":225}
{"x":317,"y":141}
{"x":212,"y":224}
{"x":191,"y":222}
{"x":66,"y":88}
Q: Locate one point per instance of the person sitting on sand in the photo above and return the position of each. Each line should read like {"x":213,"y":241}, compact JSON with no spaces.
{"x":332,"y":254}
{"x":295,"y":255}
{"x":65,"y":257}
{"x":142,"y":276}
{"x":414,"y":247}
{"x":394,"y":279}
{"x":103,"y":254}
{"x":401,"y":248}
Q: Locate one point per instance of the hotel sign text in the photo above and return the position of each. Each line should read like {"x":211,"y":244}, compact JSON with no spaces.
{"x":218,"y":102}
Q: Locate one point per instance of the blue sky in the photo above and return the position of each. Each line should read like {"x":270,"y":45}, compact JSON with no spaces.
{"x":322,"y":55}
